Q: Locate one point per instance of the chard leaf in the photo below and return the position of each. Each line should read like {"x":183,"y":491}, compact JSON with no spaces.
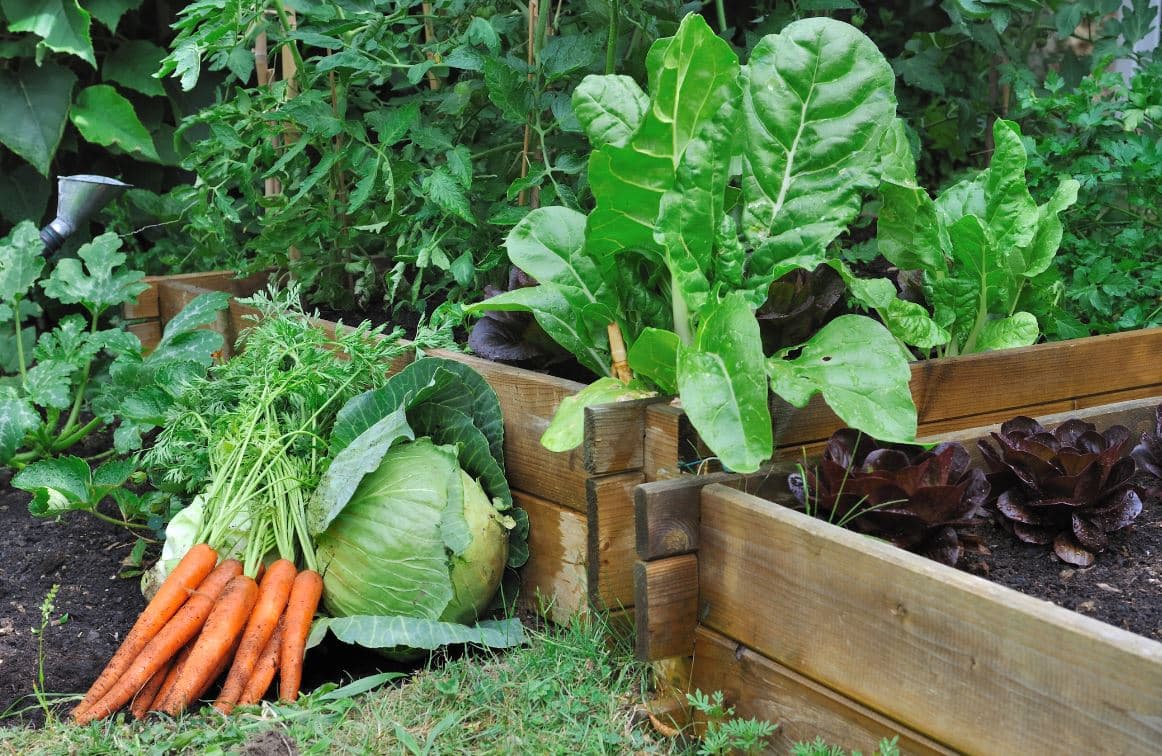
{"x":610,"y":108}
{"x":1010,"y":212}
{"x":100,"y":284}
{"x":549,"y":245}
{"x":17,"y":418}
{"x":722,"y":385}
{"x":912,"y":324}
{"x":1020,"y":329}
{"x":395,"y":632}
{"x":897,"y":162}
{"x":346,"y":471}
{"x":860,"y":370}
{"x":817,"y":99}
{"x":908,"y":233}
{"x":690,"y":75}
{"x":567,"y":429}
{"x":558,"y":310}
{"x":21,"y":261}
{"x":655,"y":355}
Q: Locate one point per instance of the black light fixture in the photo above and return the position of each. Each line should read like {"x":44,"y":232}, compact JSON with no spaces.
{"x":78,"y":197}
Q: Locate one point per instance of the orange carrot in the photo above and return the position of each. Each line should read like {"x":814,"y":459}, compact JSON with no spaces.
{"x":175,"y":669}
{"x":300,"y":610}
{"x":181,"y":628}
{"x":140,"y":704}
{"x":273,"y":592}
{"x":264,"y":670}
{"x":191,"y":570}
{"x":221,"y":630}
{"x":219,"y":670}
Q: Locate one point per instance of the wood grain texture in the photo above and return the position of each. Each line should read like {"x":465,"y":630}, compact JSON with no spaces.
{"x":610,"y":553}
{"x":553,"y":579}
{"x":803,"y":709}
{"x":976,"y":389}
{"x":148,"y":333}
{"x":669,"y":441}
{"x":972,"y":664}
{"x":147,"y":305}
{"x":614,"y":436}
{"x":666,"y":601}
{"x":667,"y":512}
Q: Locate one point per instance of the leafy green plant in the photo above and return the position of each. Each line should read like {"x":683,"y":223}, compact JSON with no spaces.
{"x":404,"y":142}
{"x":725,"y":733}
{"x":681,"y":250}
{"x":77,"y":96}
{"x":1105,"y":133}
{"x":984,"y":246}
{"x":820,"y":747}
{"x":70,"y":380}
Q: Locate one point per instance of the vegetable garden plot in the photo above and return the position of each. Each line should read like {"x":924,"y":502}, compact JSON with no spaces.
{"x":826,"y":630}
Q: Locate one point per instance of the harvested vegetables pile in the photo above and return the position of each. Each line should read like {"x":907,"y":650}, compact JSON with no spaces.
{"x":293,"y":447}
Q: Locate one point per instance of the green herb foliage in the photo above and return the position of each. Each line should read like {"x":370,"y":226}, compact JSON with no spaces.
{"x":1107,"y":135}
{"x":60,"y":385}
{"x":715,"y":184}
{"x":399,"y":143}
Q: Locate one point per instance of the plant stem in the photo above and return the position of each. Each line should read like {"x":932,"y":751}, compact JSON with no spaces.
{"x":681,"y":313}
{"x":65,"y":441}
{"x":19,"y":340}
{"x":611,"y":40}
{"x":122,"y":523}
{"x":720,"y":9}
{"x":75,"y":412}
{"x":284,"y":22}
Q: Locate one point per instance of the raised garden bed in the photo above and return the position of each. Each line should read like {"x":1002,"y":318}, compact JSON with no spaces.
{"x":580,"y":503}
{"x":826,"y":631}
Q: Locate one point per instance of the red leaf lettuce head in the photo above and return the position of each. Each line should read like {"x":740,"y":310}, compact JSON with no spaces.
{"x":1148,"y":456}
{"x":913,"y":497}
{"x":1068,"y":487}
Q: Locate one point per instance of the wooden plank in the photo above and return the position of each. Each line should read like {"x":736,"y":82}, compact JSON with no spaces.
{"x":667,"y":512}
{"x":614,"y":436}
{"x":666,"y":601}
{"x":1135,"y":414}
{"x":669,"y":441}
{"x":149,"y":333}
{"x":610,"y":553}
{"x":666,"y":515}
{"x":803,"y":709}
{"x":975,"y":665}
{"x":553,"y":579}
{"x":976,"y":389}
{"x":147,"y":306}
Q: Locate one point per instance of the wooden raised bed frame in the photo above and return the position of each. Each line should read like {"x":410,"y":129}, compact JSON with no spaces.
{"x":581,"y":503}
{"x":828,"y":632}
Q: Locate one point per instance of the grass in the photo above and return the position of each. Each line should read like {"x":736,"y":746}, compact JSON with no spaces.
{"x":570,"y":691}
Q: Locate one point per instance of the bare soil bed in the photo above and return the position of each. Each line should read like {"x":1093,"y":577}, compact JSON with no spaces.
{"x":1122,"y":588}
{"x":93,"y":610}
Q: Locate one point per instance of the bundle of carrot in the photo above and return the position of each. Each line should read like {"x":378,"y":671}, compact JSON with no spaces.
{"x":232,"y":616}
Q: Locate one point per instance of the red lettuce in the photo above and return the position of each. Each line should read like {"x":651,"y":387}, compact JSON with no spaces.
{"x":1070,"y":487}
{"x":916,"y":499}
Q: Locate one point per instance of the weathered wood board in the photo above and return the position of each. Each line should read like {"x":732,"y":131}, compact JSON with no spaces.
{"x":803,"y":709}
{"x":974,"y":665}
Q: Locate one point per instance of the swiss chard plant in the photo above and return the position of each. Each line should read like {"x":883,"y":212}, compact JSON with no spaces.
{"x":984,"y":246}
{"x":715,"y":184}
{"x":60,"y":385}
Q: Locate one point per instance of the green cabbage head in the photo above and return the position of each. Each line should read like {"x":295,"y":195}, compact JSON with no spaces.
{"x":419,"y":538}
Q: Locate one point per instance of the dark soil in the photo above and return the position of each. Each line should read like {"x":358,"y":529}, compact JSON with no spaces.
{"x":1123,"y":587}
{"x":83,"y":555}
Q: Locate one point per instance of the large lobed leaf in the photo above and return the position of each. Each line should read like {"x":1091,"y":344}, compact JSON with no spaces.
{"x":817,"y":100}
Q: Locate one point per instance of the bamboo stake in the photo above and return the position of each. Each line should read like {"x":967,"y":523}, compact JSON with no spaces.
{"x":429,"y":38}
